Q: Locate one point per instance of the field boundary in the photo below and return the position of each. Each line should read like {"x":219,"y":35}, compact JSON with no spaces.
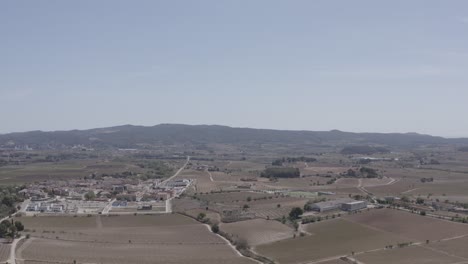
{"x":249,"y":254}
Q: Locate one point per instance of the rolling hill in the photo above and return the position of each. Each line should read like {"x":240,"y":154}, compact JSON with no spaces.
{"x":129,"y":136}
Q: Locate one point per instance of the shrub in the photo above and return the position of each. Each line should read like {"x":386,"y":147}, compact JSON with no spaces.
{"x":241,"y":244}
{"x":215,"y":228}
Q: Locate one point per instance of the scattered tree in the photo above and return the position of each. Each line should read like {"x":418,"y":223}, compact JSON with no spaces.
{"x":295,"y":213}
{"x":90,"y":195}
{"x":419,"y":200}
{"x":296,"y":225}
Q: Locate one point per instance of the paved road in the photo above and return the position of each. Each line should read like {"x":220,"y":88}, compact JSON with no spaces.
{"x":178,"y":172}
{"x":169,"y":201}
{"x":169,"y":205}
{"x":108,"y":207}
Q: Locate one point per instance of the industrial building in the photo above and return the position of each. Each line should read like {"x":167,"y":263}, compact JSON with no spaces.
{"x":330,"y":205}
{"x":354,"y":206}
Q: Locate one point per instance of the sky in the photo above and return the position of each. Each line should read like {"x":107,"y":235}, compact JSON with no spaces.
{"x":362,"y":65}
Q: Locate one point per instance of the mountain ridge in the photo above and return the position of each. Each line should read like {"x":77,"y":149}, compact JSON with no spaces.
{"x":134,"y":135}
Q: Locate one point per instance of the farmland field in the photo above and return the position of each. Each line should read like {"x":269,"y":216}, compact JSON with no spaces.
{"x":53,"y":251}
{"x":123,"y":239}
{"x":411,"y":226}
{"x":407,"y":255}
{"x":4,"y":252}
{"x":227,"y":186}
{"x":456,"y":247}
{"x":329,"y":238}
{"x":258,"y":231}
{"x":66,"y":170}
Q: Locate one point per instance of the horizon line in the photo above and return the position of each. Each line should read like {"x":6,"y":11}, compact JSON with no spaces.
{"x":230,"y":126}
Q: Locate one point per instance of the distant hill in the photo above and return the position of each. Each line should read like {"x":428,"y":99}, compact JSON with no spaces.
{"x":364,"y":150}
{"x":129,"y":136}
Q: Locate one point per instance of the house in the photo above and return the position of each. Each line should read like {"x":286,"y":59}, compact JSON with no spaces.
{"x":57,"y":208}
{"x":32,"y":207}
{"x":44,"y":207}
{"x":118,"y":188}
{"x":60,"y":191}
{"x":145,"y":207}
{"x":119,"y":203}
{"x":33,"y":194}
{"x":162,"y":196}
{"x":126,"y":197}
{"x":74,"y":196}
{"x":158,"y":196}
{"x":178,"y":183}
{"x":460,"y":210}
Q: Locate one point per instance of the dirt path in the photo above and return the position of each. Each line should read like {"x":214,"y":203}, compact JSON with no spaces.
{"x":355,"y":261}
{"x":410,"y":190}
{"x":392,"y":181}
{"x":301,"y":229}
{"x":213,"y":180}
{"x":361,"y":188}
{"x":443,"y":252}
{"x":231,"y":245}
{"x":98,"y":222}
{"x":12,"y":258}
{"x":211,"y":176}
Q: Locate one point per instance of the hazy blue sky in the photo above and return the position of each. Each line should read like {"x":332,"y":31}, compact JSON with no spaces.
{"x":380,"y":66}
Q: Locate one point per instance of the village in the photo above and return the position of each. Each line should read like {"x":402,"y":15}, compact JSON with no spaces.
{"x":104,"y":196}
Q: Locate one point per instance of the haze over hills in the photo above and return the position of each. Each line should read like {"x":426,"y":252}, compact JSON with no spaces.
{"x":129,"y":136}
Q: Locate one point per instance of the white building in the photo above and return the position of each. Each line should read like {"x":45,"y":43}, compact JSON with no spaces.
{"x":57,"y":208}
{"x":32,"y":207}
{"x":178,"y":183}
{"x":44,"y":207}
{"x":330,"y":205}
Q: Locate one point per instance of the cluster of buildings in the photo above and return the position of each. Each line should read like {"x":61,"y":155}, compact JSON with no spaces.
{"x":104,"y":189}
{"x":93,"y":195}
{"x":45,"y":207}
